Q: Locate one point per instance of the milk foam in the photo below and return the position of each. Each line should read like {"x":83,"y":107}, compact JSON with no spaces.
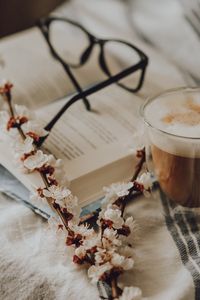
{"x":178,"y":116}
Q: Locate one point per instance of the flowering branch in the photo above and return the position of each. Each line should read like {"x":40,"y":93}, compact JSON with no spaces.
{"x":106,"y":253}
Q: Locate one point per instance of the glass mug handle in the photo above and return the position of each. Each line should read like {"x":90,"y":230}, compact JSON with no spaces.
{"x":148,"y":154}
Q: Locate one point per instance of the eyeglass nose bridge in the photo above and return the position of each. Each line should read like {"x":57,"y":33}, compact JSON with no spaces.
{"x":95,"y":40}
{"x":86,"y":54}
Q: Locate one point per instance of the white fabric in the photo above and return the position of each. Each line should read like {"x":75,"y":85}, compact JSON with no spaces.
{"x":32,"y":265}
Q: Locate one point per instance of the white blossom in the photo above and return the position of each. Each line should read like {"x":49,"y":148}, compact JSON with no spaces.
{"x":116,"y":190}
{"x":59,"y":172}
{"x":100,"y":256}
{"x":146,"y":180}
{"x":24,"y":147}
{"x":110,"y":233}
{"x":83,"y":230}
{"x":73,"y":207}
{"x":71,"y":202}
{"x":110,"y":237}
{"x":56,"y":192}
{"x":65,"y":199}
{"x":56,"y":163}
{"x":131,"y":293}
{"x":96,"y":272}
{"x":37,"y":160}
{"x":35,"y":127}
{"x":93,"y":240}
{"x":114,"y":215}
{"x":103,"y":255}
{"x":51,"y":160}
{"x":121,"y":261}
{"x":80,"y":252}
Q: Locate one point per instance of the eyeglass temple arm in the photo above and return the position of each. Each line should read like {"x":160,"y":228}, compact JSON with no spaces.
{"x":86,"y":93}
{"x":76,"y":85}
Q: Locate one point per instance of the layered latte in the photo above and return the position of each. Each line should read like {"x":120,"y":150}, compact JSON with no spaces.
{"x":174,"y":134}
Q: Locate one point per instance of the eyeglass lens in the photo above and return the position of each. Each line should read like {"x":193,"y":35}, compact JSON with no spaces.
{"x":118,"y":57}
{"x":69,"y":41}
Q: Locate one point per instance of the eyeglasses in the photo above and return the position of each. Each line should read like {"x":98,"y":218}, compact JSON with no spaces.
{"x":72,"y":45}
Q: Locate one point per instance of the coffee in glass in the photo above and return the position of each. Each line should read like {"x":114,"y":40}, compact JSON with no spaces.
{"x":172,"y":122}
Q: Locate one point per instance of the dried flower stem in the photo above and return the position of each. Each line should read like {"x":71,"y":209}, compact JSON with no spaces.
{"x":7,"y":98}
{"x":142,"y":156}
{"x":74,"y":237}
{"x":114,"y":288}
{"x":50,"y":202}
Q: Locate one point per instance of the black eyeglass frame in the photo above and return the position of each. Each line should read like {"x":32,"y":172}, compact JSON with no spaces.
{"x":44,"y":25}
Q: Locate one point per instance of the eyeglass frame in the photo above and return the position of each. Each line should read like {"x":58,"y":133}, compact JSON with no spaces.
{"x":44,"y":25}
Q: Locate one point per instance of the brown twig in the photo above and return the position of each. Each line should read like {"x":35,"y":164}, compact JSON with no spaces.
{"x":120,"y":202}
{"x":7,"y":98}
{"x":142,"y":156}
{"x":114,"y":288}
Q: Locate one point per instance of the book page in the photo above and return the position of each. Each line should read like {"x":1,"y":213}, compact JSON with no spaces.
{"x":87,"y":141}
{"x":95,"y":146}
{"x":38,"y":78}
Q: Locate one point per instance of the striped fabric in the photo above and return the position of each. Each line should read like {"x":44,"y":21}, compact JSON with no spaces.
{"x":184,"y":229}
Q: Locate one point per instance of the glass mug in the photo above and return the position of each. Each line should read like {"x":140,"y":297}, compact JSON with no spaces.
{"x":172,"y":132}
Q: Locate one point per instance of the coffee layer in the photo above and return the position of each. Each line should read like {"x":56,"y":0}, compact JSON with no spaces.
{"x":178,"y":176}
{"x":174,"y":145}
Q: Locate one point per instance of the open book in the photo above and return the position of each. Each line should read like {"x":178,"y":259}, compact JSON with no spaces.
{"x":94,"y":146}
